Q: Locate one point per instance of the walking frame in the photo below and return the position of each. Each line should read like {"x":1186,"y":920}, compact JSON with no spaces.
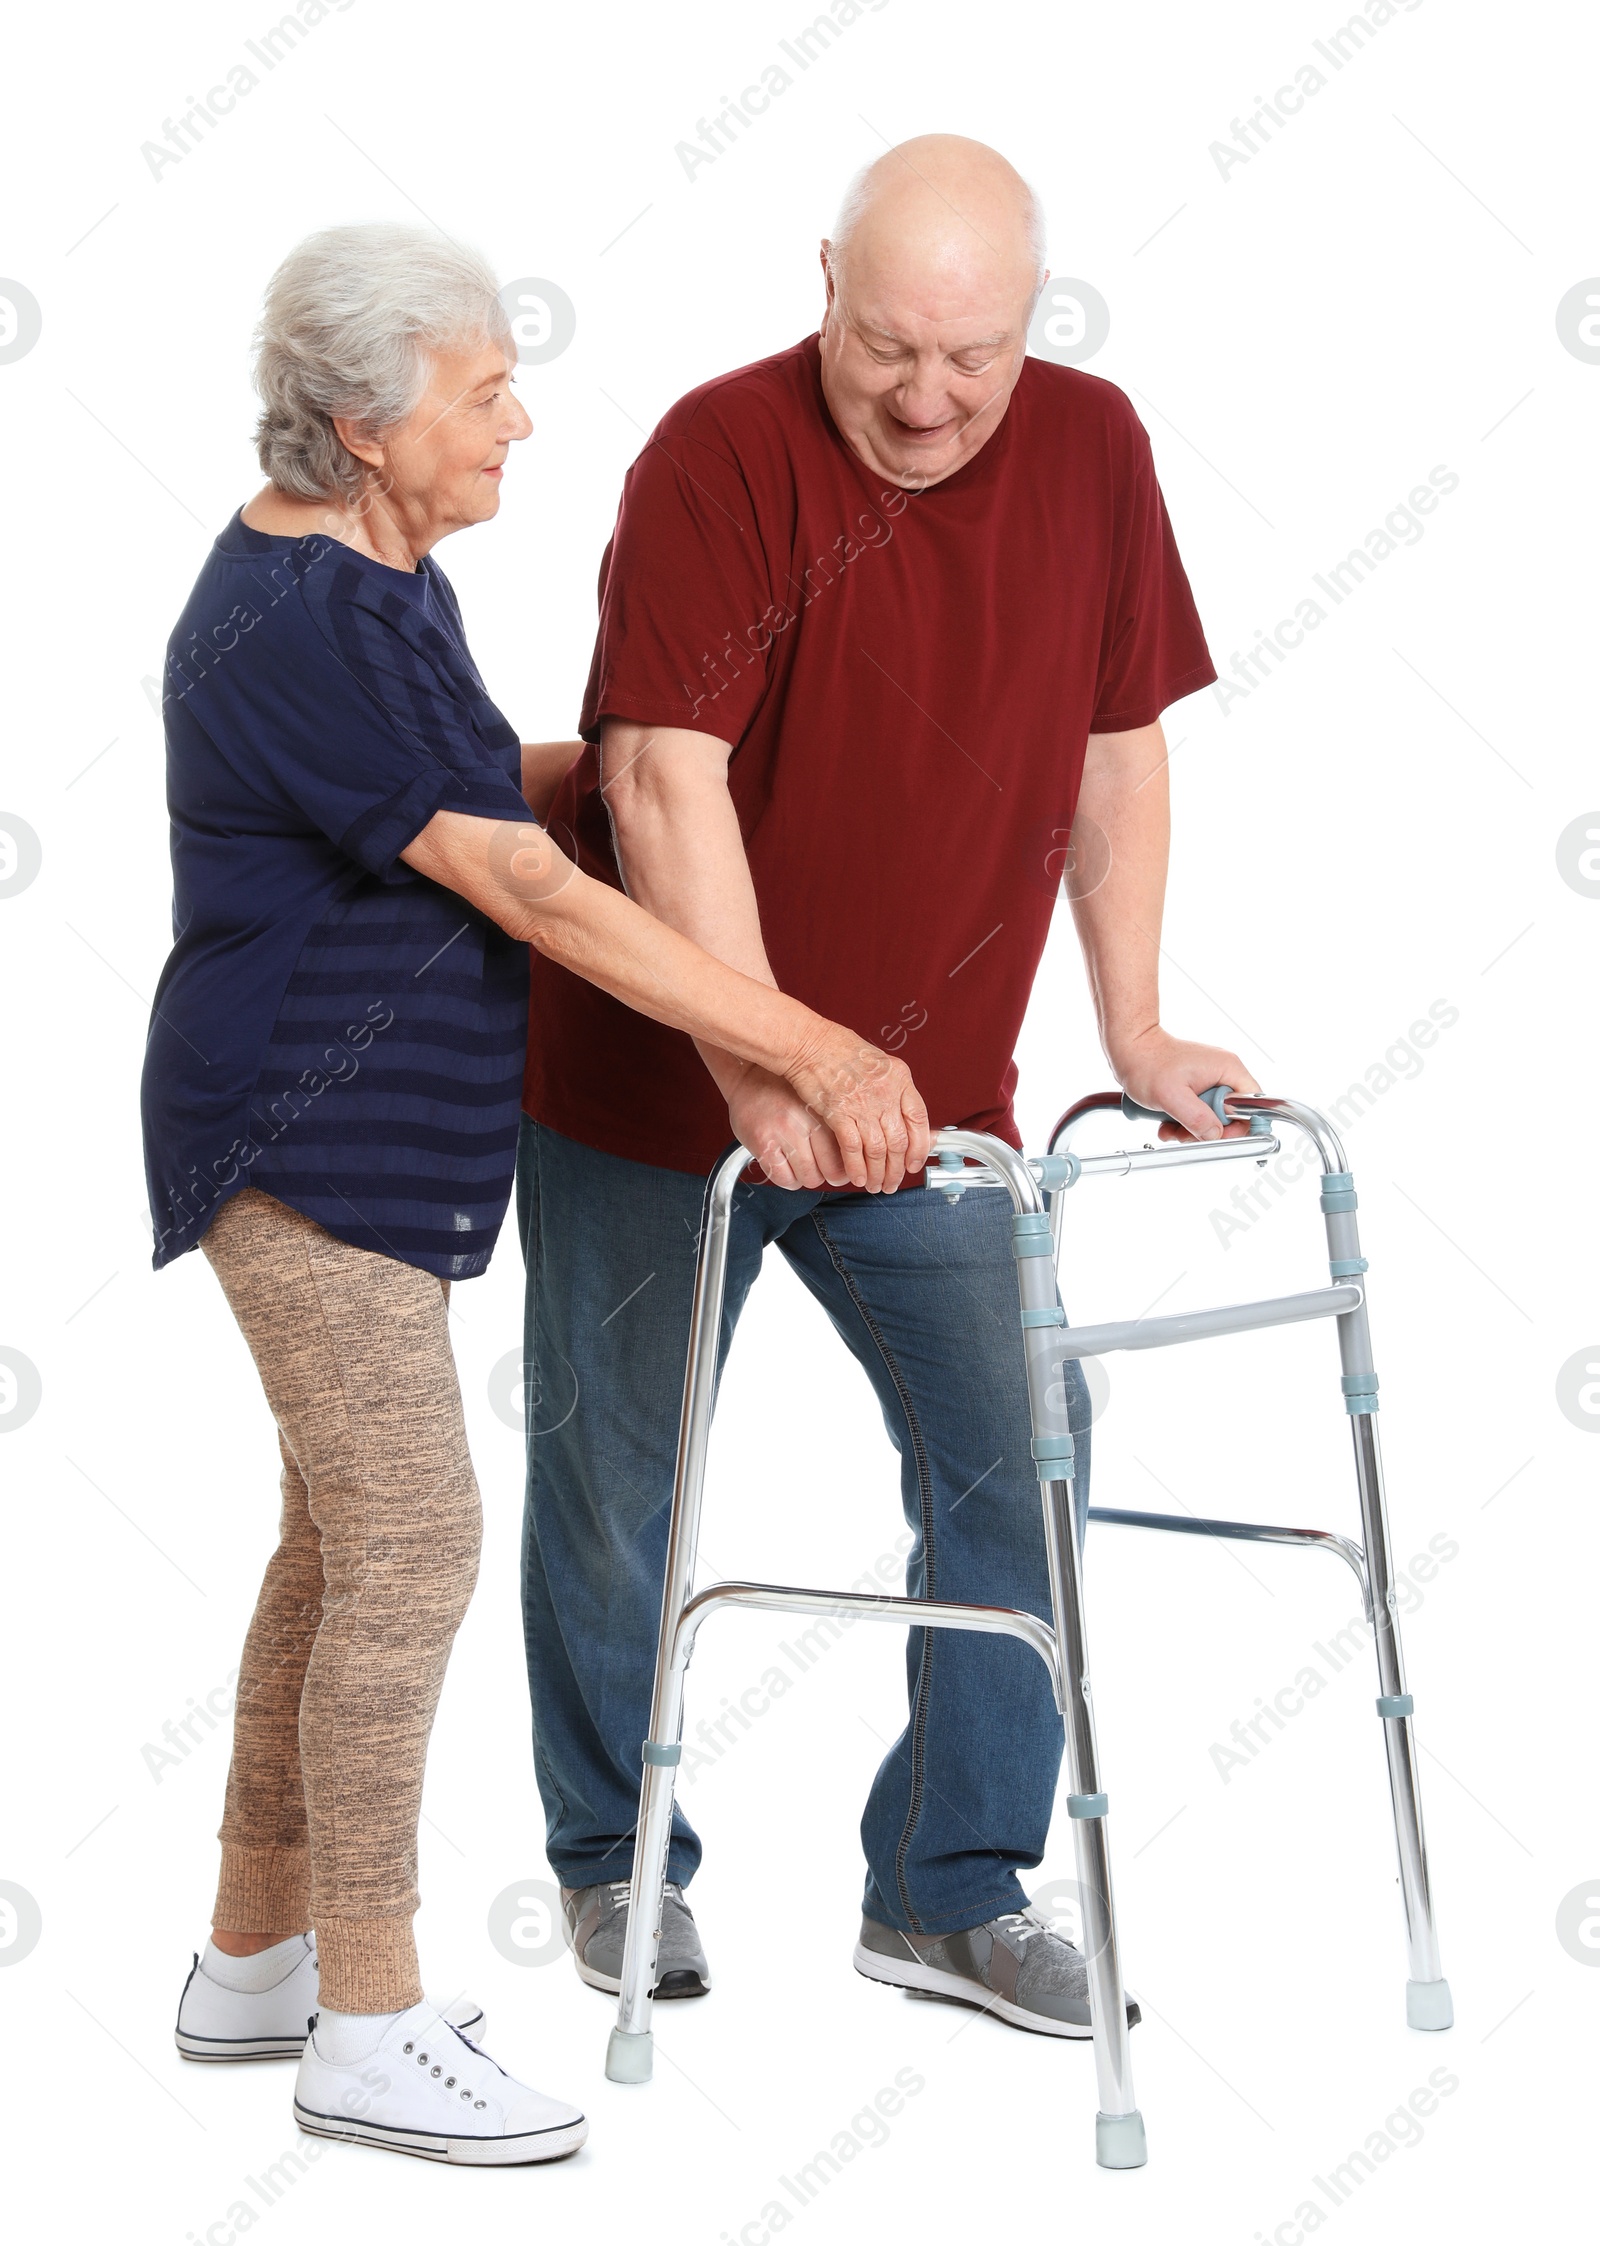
{"x":962,"y":1161}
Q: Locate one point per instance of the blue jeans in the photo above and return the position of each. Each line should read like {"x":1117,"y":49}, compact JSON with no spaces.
{"x":925,"y":1298}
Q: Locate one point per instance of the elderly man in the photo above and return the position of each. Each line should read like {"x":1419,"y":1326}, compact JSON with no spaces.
{"x":879,"y":615}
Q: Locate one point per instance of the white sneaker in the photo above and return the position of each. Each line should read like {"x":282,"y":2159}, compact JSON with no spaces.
{"x":219,"y":2024}
{"x":426,"y":2090}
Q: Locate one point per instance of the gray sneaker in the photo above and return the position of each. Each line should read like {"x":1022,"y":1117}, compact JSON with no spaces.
{"x":597,"y":1927}
{"x":1015,"y":1966}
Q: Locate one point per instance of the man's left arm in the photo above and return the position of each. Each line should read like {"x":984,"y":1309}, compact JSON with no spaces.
{"x":1124,"y":792}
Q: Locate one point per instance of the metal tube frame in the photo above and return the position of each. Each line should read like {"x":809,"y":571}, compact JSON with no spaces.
{"x":1190,"y":1524}
{"x":1062,"y":1646}
{"x":1428,"y":2002}
{"x":1119,"y":2129}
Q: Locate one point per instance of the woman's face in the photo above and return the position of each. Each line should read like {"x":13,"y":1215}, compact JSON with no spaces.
{"x":441,"y":469}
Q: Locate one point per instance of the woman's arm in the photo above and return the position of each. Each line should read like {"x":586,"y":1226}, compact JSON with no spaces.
{"x":518,"y":876}
{"x":545,"y":764}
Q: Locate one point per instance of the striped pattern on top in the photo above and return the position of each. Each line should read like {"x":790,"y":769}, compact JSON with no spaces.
{"x":390,"y":1093}
{"x":331,"y":1027}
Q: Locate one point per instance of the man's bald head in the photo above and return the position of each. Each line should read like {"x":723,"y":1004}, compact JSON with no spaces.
{"x":932,"y":271}
{"x":945,"y":199}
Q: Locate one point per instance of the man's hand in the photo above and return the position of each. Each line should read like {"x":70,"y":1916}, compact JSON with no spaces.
{"x":793,"y":1147}
{"x":1168,"y":1073}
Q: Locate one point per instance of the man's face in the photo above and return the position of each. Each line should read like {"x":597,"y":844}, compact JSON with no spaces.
{"x":918,"y":367}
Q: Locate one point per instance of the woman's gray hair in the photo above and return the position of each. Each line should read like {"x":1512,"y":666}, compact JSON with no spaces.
{"x":352,"y":321}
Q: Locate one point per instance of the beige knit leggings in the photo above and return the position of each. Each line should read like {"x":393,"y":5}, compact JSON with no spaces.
{"x":376,"y":1560}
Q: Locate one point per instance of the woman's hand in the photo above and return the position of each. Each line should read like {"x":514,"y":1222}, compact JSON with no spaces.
{"x":868,"y":1102}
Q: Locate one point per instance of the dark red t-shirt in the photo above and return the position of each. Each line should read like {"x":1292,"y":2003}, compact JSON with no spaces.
{"x":908,"y":681}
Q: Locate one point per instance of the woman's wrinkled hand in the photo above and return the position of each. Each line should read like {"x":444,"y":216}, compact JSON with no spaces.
{"x":867,"y":1100}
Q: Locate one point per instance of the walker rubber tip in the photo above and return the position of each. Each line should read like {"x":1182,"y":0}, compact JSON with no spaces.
{"x":629,"y":2058}
{"x":1428,"y":2005}
{"x":1119,"y":2140}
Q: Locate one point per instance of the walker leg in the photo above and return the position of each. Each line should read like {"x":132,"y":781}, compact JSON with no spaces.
{"x":629,"y":2053}
{"x":1119,"y":2126}
{"x":1428,"y":2002}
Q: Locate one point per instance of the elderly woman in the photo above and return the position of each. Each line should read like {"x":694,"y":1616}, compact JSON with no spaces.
{"x":331,"y":1100}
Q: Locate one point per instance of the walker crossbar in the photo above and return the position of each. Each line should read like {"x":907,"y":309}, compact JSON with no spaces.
{"x":952,"y":1177}
{"x":1190,"y":1524}
{"x":1199,"y":1325}
{"x":963,"y":1160}
{"x":921,"y":1614}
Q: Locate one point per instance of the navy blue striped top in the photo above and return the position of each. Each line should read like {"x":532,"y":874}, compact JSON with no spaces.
{"x":331,"y":1026}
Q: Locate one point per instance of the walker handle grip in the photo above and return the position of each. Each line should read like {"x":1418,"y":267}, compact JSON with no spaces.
{"x":1134,"y":1113}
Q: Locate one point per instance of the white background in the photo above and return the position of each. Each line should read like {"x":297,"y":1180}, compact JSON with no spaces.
{"x":1370,"y":832}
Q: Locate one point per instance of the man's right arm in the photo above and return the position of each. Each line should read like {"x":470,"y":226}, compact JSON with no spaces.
{"x":682,"y":858}
{"x":519,"y":876}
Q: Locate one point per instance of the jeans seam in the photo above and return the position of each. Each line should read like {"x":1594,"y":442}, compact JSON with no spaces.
{"x":919,"y":1712}
{"x":998,"y":1908}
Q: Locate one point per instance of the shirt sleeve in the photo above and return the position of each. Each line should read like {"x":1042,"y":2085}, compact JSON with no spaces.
{"x":361,"y":722}
{"x":687,"y":615}
{"x":1153,"y":650}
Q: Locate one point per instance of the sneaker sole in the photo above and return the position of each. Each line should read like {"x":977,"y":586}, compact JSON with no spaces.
{"x":682,"y":1981}
{"x":926,"y":1980}
{"x":462,"y":2152}
{"x":223,"y":2051}
{"x":218,"y":2050}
